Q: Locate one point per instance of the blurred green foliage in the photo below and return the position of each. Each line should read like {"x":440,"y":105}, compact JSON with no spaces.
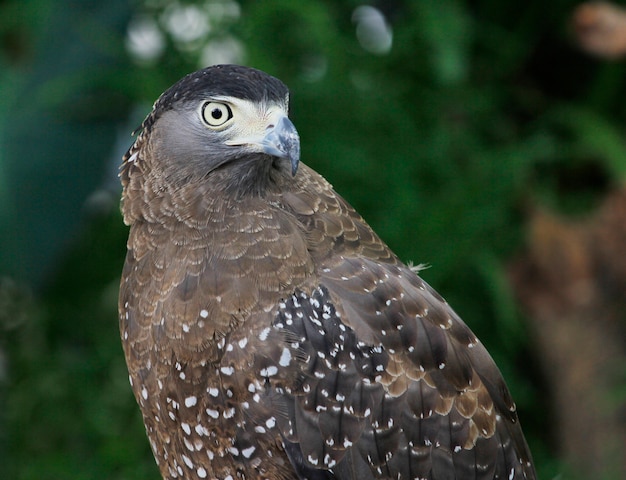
{"x":478,"y":110}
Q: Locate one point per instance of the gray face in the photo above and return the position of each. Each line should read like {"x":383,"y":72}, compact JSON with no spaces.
{"x":196,"y":136}
{"x":223,"y":115}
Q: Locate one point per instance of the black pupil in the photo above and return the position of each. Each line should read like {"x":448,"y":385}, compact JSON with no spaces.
{"x":216,"y":113}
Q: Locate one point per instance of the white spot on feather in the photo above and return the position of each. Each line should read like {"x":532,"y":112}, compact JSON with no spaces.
{"x":264,"y":334}
{"x":187,"y":461}
{"x":188,"y":444}
{"x":285,"y":358}
{"x":247,"y":452}
{"x":269,"y":371}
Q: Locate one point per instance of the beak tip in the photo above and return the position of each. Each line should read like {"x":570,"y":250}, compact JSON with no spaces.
{"x":283,"y":142}
{"x":295,"y":161}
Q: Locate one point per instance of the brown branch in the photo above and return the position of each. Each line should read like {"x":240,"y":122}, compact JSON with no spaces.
{"x":600,"y":29}
{"x":572,"y":284}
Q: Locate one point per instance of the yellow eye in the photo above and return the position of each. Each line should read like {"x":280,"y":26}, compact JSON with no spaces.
{"x":216,"y":114}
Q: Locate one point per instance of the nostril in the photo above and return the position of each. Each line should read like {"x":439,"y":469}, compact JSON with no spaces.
{"x":270,"y":126}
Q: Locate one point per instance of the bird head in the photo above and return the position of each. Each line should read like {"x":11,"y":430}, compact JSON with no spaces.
{"x":224,"y":116}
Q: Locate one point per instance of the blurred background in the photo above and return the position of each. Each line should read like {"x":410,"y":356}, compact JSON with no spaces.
{"x":486,"y":138}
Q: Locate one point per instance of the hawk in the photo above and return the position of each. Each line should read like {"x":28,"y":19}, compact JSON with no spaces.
{"x":269,"y":332}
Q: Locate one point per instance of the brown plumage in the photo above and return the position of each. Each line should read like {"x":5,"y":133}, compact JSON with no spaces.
{"x":268,"y":331}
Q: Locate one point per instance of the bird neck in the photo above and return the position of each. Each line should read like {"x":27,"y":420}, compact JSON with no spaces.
{"x":253,"y":176}
{"x":195,"y":198}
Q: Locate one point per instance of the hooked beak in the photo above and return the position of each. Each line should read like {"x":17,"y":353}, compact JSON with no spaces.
{"x":282,"y":141}
{"x":279,"y":140}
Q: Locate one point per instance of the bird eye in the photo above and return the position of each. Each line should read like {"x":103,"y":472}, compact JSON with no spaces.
{"x":216,"y":114}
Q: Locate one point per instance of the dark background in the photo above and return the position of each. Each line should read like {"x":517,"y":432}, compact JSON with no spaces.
{"x":475,"y":136}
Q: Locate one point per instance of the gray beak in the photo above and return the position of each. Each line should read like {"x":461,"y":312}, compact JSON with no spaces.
{"x":282,"y":141}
